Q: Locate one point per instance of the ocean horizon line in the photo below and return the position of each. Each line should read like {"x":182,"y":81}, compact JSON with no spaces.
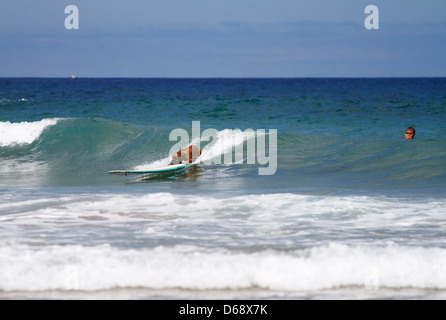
{"x":223,"y":78}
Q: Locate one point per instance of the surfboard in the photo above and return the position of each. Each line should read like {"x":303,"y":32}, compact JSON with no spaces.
{"x":172,"y":168}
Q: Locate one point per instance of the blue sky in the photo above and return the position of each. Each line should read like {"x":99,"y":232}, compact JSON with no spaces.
{"x":223,"y":38}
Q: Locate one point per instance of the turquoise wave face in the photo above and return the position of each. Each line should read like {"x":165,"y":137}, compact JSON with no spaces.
{"x":80,"y":151}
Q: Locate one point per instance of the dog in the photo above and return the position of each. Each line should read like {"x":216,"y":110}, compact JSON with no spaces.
{"x":187,"y":155}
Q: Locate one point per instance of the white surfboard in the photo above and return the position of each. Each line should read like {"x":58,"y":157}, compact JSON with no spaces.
{"x":172,"y":168}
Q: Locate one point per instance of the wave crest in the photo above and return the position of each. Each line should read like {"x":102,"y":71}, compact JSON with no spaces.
{"x":20,"y":133}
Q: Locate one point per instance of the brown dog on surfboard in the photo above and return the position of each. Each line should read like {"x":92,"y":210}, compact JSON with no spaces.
{"x":186,"y":155}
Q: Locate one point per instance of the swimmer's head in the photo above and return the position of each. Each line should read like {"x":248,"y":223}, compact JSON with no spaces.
{"x":410,"y":133}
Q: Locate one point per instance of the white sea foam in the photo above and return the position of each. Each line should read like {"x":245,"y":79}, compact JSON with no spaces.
{"x":241,"y":242}
{"x":274,"y":212}
{"x":328,"y":267}
{"x":153,"y":164}
{"x":23,"y":132}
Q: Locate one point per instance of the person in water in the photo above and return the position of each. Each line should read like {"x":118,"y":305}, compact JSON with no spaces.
{"x":187,"y":155}
{"x":410,"y":133}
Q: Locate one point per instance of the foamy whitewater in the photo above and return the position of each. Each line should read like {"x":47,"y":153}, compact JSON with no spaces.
{"x":353,"y":210}
{"x":165,"y":241}
{"x":23,"y":132}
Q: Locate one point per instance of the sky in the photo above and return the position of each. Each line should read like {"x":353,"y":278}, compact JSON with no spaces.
{"x":223,"y":38}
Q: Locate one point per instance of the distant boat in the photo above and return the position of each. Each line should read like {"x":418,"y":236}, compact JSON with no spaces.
{"x":73,"y":77}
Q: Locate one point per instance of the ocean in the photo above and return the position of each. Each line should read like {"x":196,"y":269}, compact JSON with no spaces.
{"x":348,"y":209}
